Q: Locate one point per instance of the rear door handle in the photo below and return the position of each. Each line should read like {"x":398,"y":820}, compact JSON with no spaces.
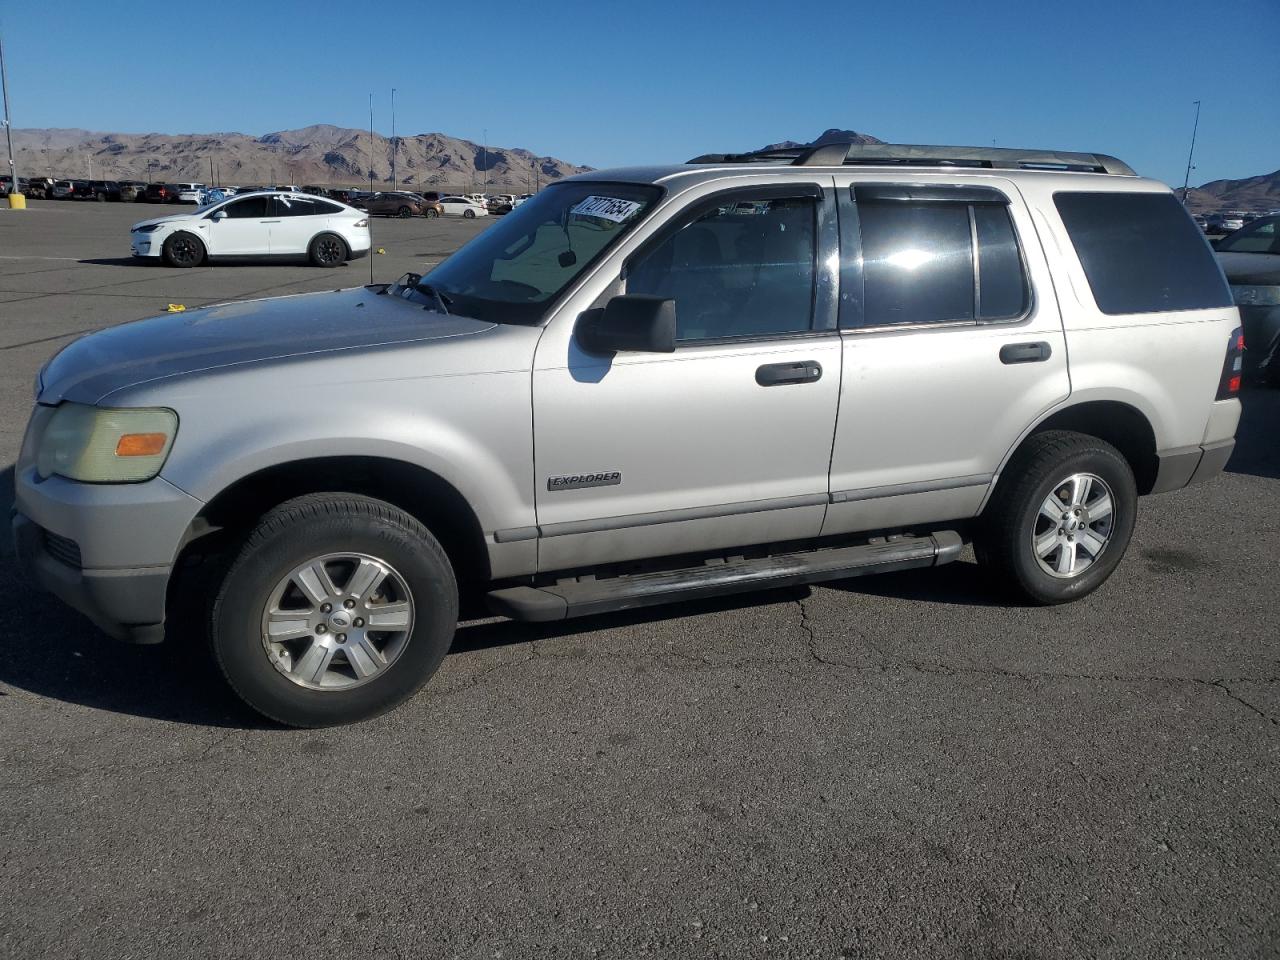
{"x":268,"y":221}
{"x":1025,"y":352}
{"x":776,"y":374}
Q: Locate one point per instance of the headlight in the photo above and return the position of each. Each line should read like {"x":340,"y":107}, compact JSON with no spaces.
{"x":100,"y":445}
{"x":150,"y":228}
{"x":1256,"y":296}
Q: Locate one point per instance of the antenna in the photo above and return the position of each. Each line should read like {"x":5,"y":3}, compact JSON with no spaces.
{"x":1191,"y":153}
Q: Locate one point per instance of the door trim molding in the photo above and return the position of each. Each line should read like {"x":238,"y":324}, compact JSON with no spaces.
{"x":570,"y":527}
{"x":904,"y":489}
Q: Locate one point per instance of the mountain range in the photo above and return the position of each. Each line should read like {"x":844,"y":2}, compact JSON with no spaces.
{"x":319,"y":154}
{"x":340,"y":156}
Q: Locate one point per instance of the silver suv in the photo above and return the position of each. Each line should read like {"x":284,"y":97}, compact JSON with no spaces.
{"x":644,"y":385}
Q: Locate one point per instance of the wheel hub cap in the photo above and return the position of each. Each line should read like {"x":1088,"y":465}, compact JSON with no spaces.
{"x":1074,"y":525}
{"x":337,"y":621}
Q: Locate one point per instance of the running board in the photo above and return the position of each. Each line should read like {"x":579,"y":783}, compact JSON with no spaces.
{"x":583,"y":597}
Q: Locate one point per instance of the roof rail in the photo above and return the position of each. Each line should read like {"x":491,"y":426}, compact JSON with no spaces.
{"x":919,"y":155}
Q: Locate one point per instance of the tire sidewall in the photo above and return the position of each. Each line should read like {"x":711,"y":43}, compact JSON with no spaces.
{"x":236,"y":634}
{"x":1106,"y":464}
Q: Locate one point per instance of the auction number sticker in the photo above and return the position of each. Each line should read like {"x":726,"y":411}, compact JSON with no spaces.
{"x":606,"y":208}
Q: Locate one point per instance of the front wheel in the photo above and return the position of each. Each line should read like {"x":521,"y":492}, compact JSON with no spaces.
{"x":469,"y":214}
{"x":1061,"y":517}
{"x":431,"y":213}
{"x":338,"y":608}
{"x":183,"y":250}
{"x":327,"y":250}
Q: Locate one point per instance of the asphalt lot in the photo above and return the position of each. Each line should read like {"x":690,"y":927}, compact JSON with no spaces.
{"x":900,"y":766}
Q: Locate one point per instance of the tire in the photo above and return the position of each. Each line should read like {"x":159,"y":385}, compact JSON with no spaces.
{"x":1048,"y":564}
{"x":100,"y":197}
{"x":183,"y":250}
{"x":431,"y":213}
{"x":279,"y":679}
{"x":327,"y":250}
{"x":469,"y":214}
{"x":404,"y":213}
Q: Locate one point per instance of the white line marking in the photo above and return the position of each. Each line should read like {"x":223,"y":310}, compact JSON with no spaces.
{"x":76,"y":259}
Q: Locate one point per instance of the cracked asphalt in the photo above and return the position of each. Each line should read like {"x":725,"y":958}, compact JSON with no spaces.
{"x":895,"y":766}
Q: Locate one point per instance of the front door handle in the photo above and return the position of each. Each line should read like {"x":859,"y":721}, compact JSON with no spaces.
{"x":268,"y":221}
{"x":1025,"y":352}
{"x":776,"y":374}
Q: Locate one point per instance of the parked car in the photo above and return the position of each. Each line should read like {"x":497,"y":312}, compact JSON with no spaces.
{"x":500,"y":204}
{"x":265,"y":225}
{"x":210,"y":195}
{"x":513,"y":421}
{"x":64,"y":189}
{"x":6,"y":185}
{"x":287,"y":188}
{"x":188,"y":192}
{"x":131,"y":190}
{"x":398,"y":204}
{"x":158,"y":193}
{"x":1230,"y":222}
{"x":1250,"y":258}
{"x":463,"y":207}
{"x":341,"y":194}
{"x":40,"y":188}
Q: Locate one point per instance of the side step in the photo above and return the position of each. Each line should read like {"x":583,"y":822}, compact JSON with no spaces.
{"x":580,"y":598}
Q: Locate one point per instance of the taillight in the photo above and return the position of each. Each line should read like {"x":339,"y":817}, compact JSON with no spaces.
{"x":1232,"y":367}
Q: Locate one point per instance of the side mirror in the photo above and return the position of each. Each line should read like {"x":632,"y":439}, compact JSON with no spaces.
{"x":630,"y":322}
{"x":219,"y":215}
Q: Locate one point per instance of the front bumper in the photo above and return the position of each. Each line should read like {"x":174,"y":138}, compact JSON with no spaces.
{"x":113,"y":547}
{"x":144,"y":245}
{"x":125,"y":604}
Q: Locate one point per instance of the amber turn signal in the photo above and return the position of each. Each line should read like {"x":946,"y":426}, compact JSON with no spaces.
{"x":141,"y":444}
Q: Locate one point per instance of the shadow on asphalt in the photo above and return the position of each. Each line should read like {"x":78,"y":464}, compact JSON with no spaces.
{"x":1257,"y":449}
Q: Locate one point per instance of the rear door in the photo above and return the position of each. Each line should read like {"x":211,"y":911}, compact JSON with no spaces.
{"x":953,"y":345}
{"x":244,"y":231}
{"x":294,"y":222}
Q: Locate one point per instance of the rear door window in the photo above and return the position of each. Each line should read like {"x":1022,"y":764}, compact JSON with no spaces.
{"x":1142,"y":252}
{"x":933,"y":260}
{"x":293,"y":206}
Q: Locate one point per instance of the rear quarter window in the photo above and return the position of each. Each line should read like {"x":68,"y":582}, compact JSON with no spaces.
{"x":1142,"y":252}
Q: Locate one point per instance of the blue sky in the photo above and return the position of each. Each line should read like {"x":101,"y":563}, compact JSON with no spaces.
{"x":605,"y":84}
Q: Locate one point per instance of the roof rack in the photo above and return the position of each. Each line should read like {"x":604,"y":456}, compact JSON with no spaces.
{"x":920,"y":155}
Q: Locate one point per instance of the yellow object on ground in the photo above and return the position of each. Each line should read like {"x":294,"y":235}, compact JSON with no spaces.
{"x":380,"y":250}
{"x":177,"y":307}
{"x":17,"y":201}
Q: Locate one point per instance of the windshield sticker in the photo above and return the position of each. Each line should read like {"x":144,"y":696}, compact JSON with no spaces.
{"x":606,"y":208}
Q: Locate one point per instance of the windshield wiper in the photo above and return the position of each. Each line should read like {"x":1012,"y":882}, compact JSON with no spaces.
{"x":441,"y":300}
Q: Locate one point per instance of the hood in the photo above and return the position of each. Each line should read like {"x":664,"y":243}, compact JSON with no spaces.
{"x":171,"y":218}
{"x":234,"y":334}
{"x":1252,"y":268}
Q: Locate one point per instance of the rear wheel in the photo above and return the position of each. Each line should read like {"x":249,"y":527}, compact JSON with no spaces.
{"x":101,"y":197}
{"x":327,"y":250}
{"x":338,"y":608}
{"x":404,"y":213}
{"x":183,"y":250}
{"x":469,"y":214}
{"x":1061,"y":517}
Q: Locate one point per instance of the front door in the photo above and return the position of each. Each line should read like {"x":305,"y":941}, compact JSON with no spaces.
{"x":244,"y":231}
{"x":726,"y":441}
{"x":953,"y":346}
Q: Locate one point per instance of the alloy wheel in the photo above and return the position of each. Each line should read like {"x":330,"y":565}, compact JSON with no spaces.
{"x":1074,"y":525}
{"x":337,"y":621}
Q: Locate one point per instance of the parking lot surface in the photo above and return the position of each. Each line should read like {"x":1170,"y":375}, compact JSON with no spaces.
{"x":902,"y":766}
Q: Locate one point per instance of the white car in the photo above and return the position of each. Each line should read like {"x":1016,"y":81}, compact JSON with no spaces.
{"x":463,"y":207}
{"x":189,"y":192}
{"x":265,"y":225}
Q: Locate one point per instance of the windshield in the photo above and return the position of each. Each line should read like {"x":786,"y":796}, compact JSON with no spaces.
{"x":513,"y":270}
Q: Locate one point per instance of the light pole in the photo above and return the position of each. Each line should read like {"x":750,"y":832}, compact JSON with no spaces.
{"x":21,"y":201}
{"x":395,"y":180}
{"x":484,"y":159}
{"x":1191,"y":153}
{"x":371,"y":145}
